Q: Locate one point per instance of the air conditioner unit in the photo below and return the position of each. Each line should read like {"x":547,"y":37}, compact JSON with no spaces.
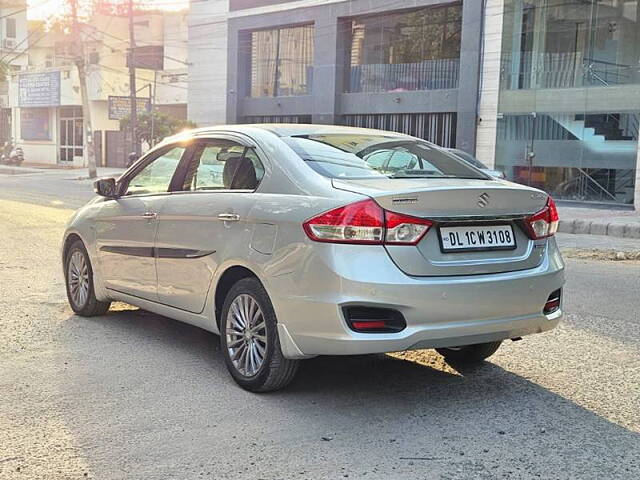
{"x":9,"y":43}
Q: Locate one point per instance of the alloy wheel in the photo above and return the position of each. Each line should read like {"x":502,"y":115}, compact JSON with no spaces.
{"x":246,"y":335}
{"x":78,"y":278}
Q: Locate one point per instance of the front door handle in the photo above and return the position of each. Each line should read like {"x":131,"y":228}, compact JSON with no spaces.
{"x":229,"y":217}
{"x":150,"y":215}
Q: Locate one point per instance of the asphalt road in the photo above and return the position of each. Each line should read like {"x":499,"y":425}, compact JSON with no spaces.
{"x":132,"y":395}
{"x":69,"y":189}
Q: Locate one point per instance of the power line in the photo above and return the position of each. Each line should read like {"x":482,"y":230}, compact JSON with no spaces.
{"x":14,"y":49}
{"x":24,"y":10}
{"x":17,"y":12}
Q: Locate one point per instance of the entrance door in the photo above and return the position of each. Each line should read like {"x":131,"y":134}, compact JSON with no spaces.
{"x":5,"y":125}
{"x":71,"y":134}
{"x":114,"y":147}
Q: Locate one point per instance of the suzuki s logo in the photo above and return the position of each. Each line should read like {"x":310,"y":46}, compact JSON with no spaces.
{"x":483,"y":200}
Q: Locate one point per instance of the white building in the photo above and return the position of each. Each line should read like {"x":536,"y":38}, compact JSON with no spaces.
{"x":44,"y":96}
{"x":14,"y":44}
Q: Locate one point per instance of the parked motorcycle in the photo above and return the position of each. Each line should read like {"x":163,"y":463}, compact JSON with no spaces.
{"x":11,"y":155}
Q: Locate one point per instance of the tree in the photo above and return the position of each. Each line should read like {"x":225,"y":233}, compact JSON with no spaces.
{"x":164,"y":125}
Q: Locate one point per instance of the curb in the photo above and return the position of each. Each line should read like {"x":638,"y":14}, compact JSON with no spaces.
{"x":589,"y":227}
{"x":13,"y":170}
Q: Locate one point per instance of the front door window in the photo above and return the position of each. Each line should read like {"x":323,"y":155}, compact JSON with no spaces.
{"x":156,"y":176}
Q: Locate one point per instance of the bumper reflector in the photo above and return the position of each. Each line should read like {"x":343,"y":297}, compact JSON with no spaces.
{"x":374,"y":320}
{"x":553,"y":303}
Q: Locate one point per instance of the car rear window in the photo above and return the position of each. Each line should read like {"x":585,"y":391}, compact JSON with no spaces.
{"x":365,"y":156}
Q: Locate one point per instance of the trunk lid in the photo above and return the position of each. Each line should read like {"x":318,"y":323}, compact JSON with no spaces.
{"x":450,"y":202}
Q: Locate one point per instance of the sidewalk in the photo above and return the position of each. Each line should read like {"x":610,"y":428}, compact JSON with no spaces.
{"x":80,"y":173}
{"x":599,"y":221}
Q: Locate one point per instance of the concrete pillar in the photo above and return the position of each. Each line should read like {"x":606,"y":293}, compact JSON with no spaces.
{"x":472,"y":12}
{"x":208,"y":34}
{"x":328,"y":67}
{"x":636,"y":193}
{"x":490,"y":83}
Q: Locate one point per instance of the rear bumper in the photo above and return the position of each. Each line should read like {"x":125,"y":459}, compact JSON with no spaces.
{"x":439,"y":311}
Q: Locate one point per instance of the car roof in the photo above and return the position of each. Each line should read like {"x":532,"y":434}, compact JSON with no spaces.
{"x":292,"y":129}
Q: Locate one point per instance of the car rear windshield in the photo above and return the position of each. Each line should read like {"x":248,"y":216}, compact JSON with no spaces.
{"x":365,"y":156}
{"x":470,"y":159}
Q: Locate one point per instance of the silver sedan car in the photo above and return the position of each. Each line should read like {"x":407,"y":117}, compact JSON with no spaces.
{"x":286,"y":242}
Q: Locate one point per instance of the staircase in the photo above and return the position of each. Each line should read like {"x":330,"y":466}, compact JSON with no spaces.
{"x":606,"y":125}
{"x":606,"y":139}
{"x":600,"y":133}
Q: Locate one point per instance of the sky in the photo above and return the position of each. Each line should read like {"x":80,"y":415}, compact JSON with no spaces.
{"x":43,"y":9}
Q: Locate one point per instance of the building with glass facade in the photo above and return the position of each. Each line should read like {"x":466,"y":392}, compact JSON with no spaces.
{"x":545,"y":90}
{"x":569,"y":103}
{"x":408,"y":66}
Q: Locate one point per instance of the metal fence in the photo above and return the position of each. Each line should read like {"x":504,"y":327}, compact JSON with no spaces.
{"x":526,"y":70}
{"x":439,"y":128}
{"x":427,"y":75}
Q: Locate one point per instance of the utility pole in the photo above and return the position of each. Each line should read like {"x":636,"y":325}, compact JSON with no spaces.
{"x":132,"y":84}
{"x":79,"y":58}
{"x":152,"y":97}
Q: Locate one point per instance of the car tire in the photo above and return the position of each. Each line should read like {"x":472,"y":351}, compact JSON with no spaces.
{"x":251,"y":349}
{"x":469,"y":353}
{"x":79,"y":282}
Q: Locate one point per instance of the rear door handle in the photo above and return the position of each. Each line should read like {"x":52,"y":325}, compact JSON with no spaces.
{"x":229,"y":217}
{"x":150,"y":215}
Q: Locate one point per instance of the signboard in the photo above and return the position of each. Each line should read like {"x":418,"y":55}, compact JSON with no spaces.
{"x":39,"y":89}
{"x":120,"y":107}
{"x":150,"y":57}
{"x":34,"y":124}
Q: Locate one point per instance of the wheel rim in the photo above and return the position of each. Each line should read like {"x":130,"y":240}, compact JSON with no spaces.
{"x":246,"y":334}
{"x":78,"y":278}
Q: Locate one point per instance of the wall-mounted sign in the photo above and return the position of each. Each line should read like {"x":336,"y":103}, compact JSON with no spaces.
{"x":39,"y":89}
{"x":120,"y":107}
{"x":150,"y":57}
{"x":34,"y":124}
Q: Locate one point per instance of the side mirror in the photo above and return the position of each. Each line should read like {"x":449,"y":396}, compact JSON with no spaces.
{"x":106,"y":187}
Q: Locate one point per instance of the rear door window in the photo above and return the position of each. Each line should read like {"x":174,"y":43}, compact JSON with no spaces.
{"x":223,"y":165}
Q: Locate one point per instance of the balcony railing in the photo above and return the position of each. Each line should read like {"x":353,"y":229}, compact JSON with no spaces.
{"x":397,"y":77}
{"x":525,"y":70}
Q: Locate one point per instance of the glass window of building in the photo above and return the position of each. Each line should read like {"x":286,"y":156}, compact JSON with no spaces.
{"x":282,"y":61}
{"x":415,"y":50}
{"x":11,"y":27}
{"x":573,"y":43}
{"x":569,"y":104}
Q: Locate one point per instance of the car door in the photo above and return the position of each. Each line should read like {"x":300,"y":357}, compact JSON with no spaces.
{"x":207,"y":222}
{"x":126,"y":227}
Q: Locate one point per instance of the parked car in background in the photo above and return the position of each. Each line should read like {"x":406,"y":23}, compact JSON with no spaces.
{"x":471,"y":160}
{"x":293,"y":241}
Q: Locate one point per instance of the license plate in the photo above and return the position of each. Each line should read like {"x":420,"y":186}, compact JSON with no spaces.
{"x":487,"y":237}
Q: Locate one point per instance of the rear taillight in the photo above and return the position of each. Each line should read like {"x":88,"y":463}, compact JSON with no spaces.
{"x":366,"y":222}
{"x":403,"y":229}
{"x":361,"y":222}
{"x":544,"y":223}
